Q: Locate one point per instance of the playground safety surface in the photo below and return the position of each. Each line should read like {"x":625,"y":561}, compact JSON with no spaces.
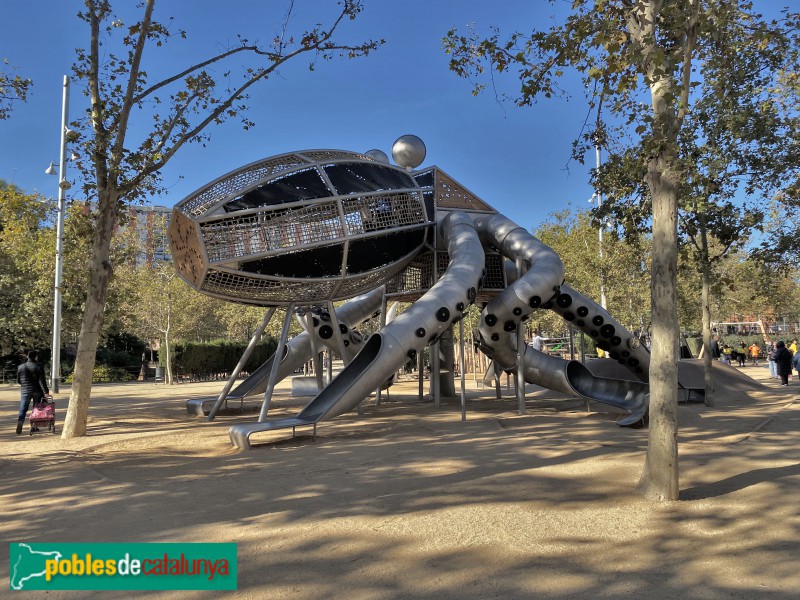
{"x":410,"y":502}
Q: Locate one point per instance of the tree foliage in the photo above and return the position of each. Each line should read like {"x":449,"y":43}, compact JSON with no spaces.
{"x":123,"y":162}
{"x":13,"y":88}
{"x":626,"y":51}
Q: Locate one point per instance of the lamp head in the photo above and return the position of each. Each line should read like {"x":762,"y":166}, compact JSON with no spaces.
{"x":51,"y":170}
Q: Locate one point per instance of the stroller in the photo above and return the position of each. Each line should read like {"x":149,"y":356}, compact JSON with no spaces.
{"x":43,"y":413}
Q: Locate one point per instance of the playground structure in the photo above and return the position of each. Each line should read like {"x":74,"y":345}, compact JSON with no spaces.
{"x":306,"y":229}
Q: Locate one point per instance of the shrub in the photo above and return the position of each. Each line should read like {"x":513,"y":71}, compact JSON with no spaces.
{"x":218,"y":356}
{"x":106,"y":374}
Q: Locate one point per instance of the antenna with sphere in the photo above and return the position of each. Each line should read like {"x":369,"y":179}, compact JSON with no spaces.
{"x":408,"y":151}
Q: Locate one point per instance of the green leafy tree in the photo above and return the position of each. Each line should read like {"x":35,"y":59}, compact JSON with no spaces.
{"x":25,"y":320}
{"x":120,"y":168}
{"x":738,"y":144}
{"x":161,"y":306}
{"x":622,"y":268}
{"x":13,"y":88}
{"x":625,"y":51}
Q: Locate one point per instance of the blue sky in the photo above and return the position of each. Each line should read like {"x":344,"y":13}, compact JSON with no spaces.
{"x":518,"y":160}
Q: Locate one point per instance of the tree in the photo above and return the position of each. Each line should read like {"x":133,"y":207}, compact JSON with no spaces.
{"x":623,"y":49}
{"x":13,"y":88}
{"x":160,"y":303}
{"x":625,"y":264}
{"x":24,"y":291}
{"x":735,"y":146}
{"x":120,"y":169}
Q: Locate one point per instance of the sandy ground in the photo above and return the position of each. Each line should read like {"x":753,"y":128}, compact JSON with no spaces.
{"x":410,"y":502}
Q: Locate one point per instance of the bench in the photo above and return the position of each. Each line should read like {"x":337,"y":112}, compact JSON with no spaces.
{"x":240,"y":434}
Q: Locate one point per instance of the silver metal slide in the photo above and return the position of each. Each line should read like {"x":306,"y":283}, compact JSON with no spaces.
{"x":399,"y":341}
{"x":300,"y":349}
{"x":541,"y":286}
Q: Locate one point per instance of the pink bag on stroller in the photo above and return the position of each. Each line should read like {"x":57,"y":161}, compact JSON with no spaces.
{"x":43,"y":413}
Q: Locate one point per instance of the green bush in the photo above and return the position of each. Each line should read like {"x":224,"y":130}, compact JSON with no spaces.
{"x":106,"y":374}
{"x":218,"y":356}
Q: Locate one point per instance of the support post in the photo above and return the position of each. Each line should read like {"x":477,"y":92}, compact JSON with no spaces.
{"x":273,"y":374}
{"x":337,"y":336}
{"x":520,"y":378}
{"x":463,"y":376}
{"x":421,"y":373}
{"x":308,"y":325}
{"x":435,"y":368}
{"x":223,"y":397}
{"x":63,"y":185}
{"x":383,"y":324}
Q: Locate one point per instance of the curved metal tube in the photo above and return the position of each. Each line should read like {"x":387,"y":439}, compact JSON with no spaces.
{"x":421,"y":324}
{"x":299,"y":348}
{"x":539,"y":287}
{"x":609,"y":334}
{"x":539,"y":284}
{"x":586,"y":315}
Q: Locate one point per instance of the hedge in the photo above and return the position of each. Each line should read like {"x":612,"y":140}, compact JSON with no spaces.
{"x":218,"y":356}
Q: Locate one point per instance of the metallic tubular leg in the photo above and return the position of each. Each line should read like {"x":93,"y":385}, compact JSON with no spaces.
{"x":240,"y":365}
{"x":462,"y":364}
{"x":273,"y":376}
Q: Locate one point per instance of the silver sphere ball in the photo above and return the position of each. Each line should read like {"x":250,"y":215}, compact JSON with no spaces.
{"x":378,"y":156}
{"x":408,"y":151}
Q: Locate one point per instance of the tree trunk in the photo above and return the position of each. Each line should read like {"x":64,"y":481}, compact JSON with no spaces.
{"x":659,"y":480}
{"x":706,"y":309}
{"x":99,"y":275}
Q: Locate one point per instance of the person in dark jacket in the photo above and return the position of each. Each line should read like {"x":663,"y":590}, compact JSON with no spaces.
{"x":30,"y":376}
{"x":783,"y":362}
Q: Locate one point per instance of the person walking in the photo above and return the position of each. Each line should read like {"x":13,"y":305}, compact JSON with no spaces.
{"x":773,"y":373}
{"x":741,"y":354}
{"x":30,"y":376}
{"x":783,"y":362}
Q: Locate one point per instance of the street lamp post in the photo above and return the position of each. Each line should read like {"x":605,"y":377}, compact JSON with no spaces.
{"x":600,"y":236}
{"x":63,"y":186}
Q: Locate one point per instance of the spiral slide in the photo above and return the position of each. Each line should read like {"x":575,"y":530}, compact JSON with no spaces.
{"x":300,"y":350}
{"x":400,"y":340}
{"x":541,"y":286}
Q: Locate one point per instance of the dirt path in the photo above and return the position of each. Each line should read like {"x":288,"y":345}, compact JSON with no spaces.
{"x":410,"y":502}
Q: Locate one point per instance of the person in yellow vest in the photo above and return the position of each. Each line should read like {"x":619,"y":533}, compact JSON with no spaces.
{"x":727,"y":353}
{"x":755,"y":350}
{"x":793,"y":347}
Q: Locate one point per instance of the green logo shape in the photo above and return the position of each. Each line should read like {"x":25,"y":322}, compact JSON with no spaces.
{"x":135,"y":566}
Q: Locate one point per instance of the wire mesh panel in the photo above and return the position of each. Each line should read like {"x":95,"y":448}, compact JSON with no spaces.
{"x":356,"y":285}
{"x":238,"y":181}
{"x":494,"y":277}
{"x":328,"y":155}
{"x":270,"y":230}
{"x":264,"y":291}
{"x":385,"y":211}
